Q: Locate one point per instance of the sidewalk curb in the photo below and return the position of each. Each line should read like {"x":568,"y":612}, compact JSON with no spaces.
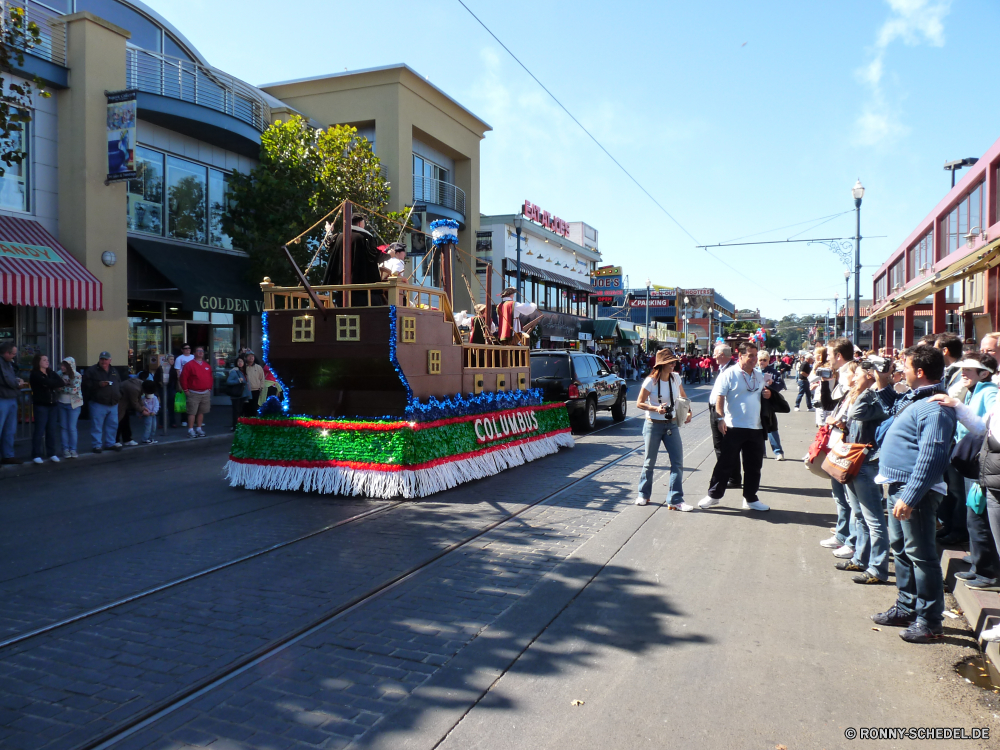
{"x":111,"y":456}
{"x":442,"y":702}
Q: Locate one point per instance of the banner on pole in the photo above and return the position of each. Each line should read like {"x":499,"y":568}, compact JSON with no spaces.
{"x":121,"y":135}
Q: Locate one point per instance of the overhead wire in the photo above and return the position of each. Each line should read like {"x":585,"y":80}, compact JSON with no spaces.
{"x":580,"y":124}
{"x":786,"y":226}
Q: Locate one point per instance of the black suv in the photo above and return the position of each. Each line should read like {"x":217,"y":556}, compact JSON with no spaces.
{"x":583,"y":381}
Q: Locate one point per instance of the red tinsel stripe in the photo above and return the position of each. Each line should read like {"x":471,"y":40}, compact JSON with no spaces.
{"x":384,"y":426}
{"x":361,"y":465}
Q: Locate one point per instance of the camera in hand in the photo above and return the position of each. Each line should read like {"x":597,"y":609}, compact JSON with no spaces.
{"x":824,"y":372}
{"x":878,"y":364}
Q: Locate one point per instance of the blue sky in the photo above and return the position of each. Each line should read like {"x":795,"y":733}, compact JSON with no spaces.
{"x":732,"y":139}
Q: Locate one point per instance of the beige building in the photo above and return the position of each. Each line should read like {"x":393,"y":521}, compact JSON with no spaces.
{"x":427,"y":143}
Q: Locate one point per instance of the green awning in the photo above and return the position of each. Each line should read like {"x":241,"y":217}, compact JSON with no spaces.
{"x":207,"y":280}
{"x":629,"y":335}
{"x":605,"y":328}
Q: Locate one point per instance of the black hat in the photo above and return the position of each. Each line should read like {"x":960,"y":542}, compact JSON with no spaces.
{"x":508,"y":292}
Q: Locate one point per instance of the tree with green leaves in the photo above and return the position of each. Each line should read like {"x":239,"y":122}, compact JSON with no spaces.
{"x":303,"y":174}
{"x":17,"y":36}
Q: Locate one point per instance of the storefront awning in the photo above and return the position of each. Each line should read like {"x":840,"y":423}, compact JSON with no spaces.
{"x":36,"y":271}
{"x":629,"y":335}
{"x":207,"y":280}
{"x":540,"y":273}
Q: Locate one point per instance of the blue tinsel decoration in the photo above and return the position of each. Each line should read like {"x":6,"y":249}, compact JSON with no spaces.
{"x":444,"y":231}
{"x":264,"y":348}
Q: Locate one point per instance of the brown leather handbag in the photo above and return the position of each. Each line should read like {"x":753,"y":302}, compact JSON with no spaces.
{"x":845,"y":460}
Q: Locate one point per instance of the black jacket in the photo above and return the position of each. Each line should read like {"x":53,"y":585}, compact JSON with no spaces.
{"x":43,"y":387}
{"x":8,"y":380}
{"x":770,"y":408}
{"x":365,"y":257}
{"x":108,"y":395}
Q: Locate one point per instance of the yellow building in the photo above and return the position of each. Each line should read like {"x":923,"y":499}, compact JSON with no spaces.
{"x":427,"y":143}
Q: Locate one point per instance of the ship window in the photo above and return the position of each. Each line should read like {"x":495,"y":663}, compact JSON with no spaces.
{"x":409,"y":330}
{"x":501,"y":382}
{"x":479,"y":383}
{"x":434,"y":362}
{"x":522,"y":381}
{"x":348,"y":328}
{"x":302,"y":328}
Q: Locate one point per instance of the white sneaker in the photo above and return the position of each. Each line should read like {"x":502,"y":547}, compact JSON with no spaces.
{"x":707,"y":502}
{"x":640,"y":500}
{"x":992,"y":634}
{"x":131,"y":442}
{"x":796,"y":408}
{"x":844,"y":552}
{"x":779,"y":456}
{"x":199,"y":432}
{"x":74,"y":454}
{"x":831,"y":543}
{"x":191,"y":432}
{"x":681,"y":506}
{"x":54,"y":459}
{"x":67,"y":454}
{"x":38,"y":460}
{"x":756,"y":505}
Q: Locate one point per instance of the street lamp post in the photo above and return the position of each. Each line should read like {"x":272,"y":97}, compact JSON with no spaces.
{"x":518,"y":224}
{"x":648,"y":285}
{"x":858,"y":192}
{"x":847,"y":299}
{"x":836,"y":311}
{"x":687,"y":302}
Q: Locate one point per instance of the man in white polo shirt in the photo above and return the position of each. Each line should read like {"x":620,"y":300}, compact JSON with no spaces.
{"x":739,"y":390}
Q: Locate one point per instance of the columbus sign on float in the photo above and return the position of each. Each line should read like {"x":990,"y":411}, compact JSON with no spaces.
{"x":389,"y":458}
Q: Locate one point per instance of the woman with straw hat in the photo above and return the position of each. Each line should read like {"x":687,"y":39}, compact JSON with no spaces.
{"x":660,"y":396}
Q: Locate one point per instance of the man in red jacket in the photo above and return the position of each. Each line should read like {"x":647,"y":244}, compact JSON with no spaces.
{"x":196,"y":382}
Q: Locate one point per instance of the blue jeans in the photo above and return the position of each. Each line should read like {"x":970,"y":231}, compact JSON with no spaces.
{"x":654,"y":432}
{"x":149,"y":427}
{"x":868,"y":507}
{"x":919,"y":580}
{"x":846,"y":532}
{"x":775,"y":440}
{"x":103,"y":424}
{"x":68,"y":417}
{"x":46,"y":434}
{"x":8,"y":426}
{"x":804,"y":391}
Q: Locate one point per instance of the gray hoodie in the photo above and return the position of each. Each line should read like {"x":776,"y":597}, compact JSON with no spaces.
{"x":8,"y":380}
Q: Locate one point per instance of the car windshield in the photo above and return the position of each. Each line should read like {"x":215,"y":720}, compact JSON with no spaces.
{"x":550,"y":367}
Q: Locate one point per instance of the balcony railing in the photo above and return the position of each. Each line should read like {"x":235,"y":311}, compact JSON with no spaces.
{"x":52,"y":46}
{"x":445,"y":194}
{"x":188,"y":81}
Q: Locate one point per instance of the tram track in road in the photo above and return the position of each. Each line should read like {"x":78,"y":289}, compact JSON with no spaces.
{"x":160,"y":710}
{"x":383,"y":509}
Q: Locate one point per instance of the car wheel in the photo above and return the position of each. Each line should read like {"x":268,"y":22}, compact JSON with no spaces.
{"x":590,"y":415}
{"x":620,"y":408}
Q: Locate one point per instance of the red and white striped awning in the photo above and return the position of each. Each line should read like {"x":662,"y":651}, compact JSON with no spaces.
{"x":36,"y":271}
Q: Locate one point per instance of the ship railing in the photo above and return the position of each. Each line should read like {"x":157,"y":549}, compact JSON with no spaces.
{"x":491,"y":356}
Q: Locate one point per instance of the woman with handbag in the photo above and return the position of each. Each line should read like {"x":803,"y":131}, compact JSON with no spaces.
{"x":862,"y":415}
{"x":662,"y":397}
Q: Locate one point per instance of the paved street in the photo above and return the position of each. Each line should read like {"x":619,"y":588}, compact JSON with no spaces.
{"x":427,"y":624}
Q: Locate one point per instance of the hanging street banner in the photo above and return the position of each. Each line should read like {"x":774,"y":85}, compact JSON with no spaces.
{"x":607,"y":281}
{"x":121,"y":135}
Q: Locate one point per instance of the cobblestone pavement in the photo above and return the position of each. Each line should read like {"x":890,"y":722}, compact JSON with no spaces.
{"x":63,"y":688}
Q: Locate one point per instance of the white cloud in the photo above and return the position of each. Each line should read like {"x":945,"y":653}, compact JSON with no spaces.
{"x":913,"y":22}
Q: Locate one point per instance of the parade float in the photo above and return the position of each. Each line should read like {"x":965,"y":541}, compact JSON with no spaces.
{"x":382,"y":396}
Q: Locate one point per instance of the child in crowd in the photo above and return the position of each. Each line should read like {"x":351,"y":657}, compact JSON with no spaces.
{"x":150,"y":408}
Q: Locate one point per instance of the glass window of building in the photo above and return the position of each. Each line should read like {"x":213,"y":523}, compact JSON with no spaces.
{"x":14,"y":188}
{"x":896,"y":275}
{"x":145,"y":193}
{"x":186,"y":200}
{"x":218,"y":204}
{"x":172,"y":48}
{"x":145,"y":33}
{"x":921,"y":255}
{"x":145,"y":331}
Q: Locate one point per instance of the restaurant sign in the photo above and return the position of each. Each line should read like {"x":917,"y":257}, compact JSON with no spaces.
{"x":607,"y":281}
{"x":547,"y":220}
{"x":20,"y":251}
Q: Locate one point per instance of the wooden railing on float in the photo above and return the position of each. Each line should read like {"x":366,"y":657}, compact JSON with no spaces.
{"x":487,"y":357}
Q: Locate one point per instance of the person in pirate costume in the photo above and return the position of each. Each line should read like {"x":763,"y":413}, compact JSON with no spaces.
{"x":481,"y":327}
{"x":365,"y":260}
{"x":510,"y":312}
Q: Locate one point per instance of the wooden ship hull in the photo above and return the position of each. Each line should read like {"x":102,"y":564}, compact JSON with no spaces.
{"x":382,"y":397}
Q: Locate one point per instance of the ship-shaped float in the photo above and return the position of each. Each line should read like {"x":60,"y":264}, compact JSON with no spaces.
{"x":382,"y":396}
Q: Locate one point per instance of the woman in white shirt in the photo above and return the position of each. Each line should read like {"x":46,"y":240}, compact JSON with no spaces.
{"x":658,"y":398}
